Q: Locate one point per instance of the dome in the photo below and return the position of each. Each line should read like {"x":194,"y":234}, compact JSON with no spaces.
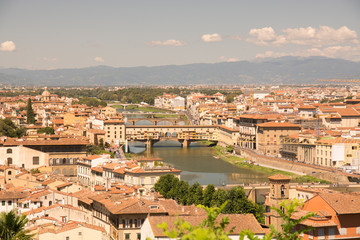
{"x":45,"y":93}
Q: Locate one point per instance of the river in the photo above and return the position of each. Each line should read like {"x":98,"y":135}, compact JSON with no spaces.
{"x":198,"y":164}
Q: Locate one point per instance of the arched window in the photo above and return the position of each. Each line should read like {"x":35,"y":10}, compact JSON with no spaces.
{"x":9,"y":161}
{"x":50,"y":203}
{"x":9,"y":150}
{"x":282,"y":190}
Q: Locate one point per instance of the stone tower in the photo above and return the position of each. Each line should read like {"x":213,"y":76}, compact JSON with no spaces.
{"x":279,"y":191}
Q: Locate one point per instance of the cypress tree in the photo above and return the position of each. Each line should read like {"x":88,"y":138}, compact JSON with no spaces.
{"x":30,"y":115}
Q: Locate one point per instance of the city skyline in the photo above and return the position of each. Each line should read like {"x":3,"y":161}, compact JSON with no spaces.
{"x":66,"y":34}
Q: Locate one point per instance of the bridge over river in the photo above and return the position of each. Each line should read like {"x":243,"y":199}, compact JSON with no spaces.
{"x":185,"y":134}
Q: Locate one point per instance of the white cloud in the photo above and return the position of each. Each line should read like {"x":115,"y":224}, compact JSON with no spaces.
{"x":8,"y":46}
{"x":49,"y":59}
{"x":170,"y":42}
{"x":320,"y":37}
{"x":211,"y":37}
{"x":345,"y":52}
{"x":230,"y":59}
{"x":99,"y":59}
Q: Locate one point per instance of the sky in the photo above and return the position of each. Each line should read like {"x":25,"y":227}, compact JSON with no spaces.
{"x":51,"y":34}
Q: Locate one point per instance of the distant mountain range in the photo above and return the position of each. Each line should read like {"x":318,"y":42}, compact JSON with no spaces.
{"x":285,"y":70}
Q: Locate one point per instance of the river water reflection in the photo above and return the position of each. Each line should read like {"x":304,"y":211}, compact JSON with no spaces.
{"x":198,"y":164}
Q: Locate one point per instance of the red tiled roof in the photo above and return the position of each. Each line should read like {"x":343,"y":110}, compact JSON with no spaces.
{"x":279,"y":125}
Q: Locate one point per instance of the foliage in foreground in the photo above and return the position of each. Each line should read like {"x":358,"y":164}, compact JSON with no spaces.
{"x":171,"y":187}
{"x":12,"y":226}
{"x":209,"y":229}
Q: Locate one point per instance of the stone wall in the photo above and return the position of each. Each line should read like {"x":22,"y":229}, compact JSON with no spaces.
{"x":312,"y":170}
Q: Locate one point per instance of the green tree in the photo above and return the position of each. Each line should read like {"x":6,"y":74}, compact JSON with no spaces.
{"x":165,"y":184}
{"x":230,"y":148}
{"x":219,"y":197}
{"x":183,"y":192}
{"x":195,"y":194}
{"x":12,"y":226}
{"x":9,"y":129}
{"x":208,"y":195}
{"x":101,"y":143}
{"x":209,"y":229}
{"x":30,"y":115}
{"x":92,"y":149}
{"x":239,"y":203}
{"x":46,"y":130}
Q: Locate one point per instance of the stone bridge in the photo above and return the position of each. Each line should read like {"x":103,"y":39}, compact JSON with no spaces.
{"x":184,"y":134}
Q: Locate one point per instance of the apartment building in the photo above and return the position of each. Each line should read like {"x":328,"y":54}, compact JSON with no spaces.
{"x":269,"y":135}
{"x":114,"y":131}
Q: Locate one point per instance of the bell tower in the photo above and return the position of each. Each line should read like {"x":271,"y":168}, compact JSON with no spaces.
{"x":279,"y":191}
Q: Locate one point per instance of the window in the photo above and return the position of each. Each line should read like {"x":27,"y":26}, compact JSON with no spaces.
{"x":3,"y":203}
{"x":67,"y":238}
{"x":36,"y":160}
{"x":9,"y":161}
{"x":354,"y":147}
{"x":127,"y":235}
{"x":9,"y":150}
{"x":137,"y":222}
{"x":282,"y":190}
{"x":142,"y":180}
{"x":9,"y":172}
{"x":138,"y":236}
{"x":126,"y":223}
{"x":80,"y":233}
{"x":9,"y":203}
{"x":342,"y":231}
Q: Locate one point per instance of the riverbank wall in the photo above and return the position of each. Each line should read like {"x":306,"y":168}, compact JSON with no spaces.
{"x":312,"y":170}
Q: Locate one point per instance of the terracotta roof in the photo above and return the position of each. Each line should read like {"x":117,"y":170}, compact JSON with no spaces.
{"x":237,"y":222}
{"x":97,"y":169}
{"x":4,"y":195}
{"x":348,"y":112}
{"x":279,"y":177}
{"x":113,"y":121}
{"x":342,"y":203}
{"x":92,"y":157}
{"x":279,"y":125}
{"x":307,"y":107}
{"x":68,"y":141}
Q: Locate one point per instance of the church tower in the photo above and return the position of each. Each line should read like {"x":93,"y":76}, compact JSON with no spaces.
{"x":279,"y":191}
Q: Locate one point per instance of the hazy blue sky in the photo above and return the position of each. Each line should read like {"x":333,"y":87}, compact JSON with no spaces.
{"x":80,"y":33}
